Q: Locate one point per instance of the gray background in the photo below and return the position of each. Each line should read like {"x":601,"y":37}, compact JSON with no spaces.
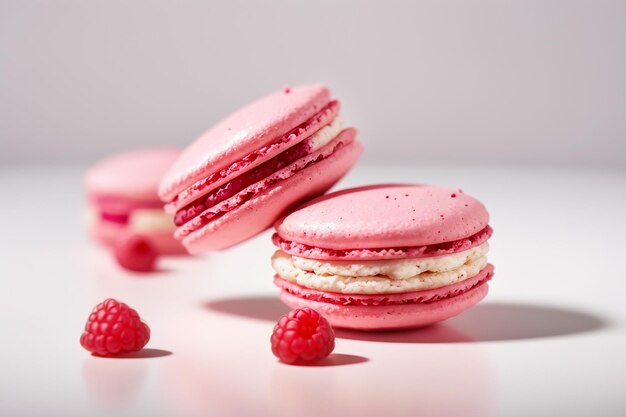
{"x":453,"y":81}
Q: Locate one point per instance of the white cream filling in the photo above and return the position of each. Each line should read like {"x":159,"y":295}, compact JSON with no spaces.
{"x":151,"y":220}
{"x":90,"y":217}
{"x":326,"y":134}
{"x":442,"y":275}
{"x":140,"y":220}
{"x":394,"y":269}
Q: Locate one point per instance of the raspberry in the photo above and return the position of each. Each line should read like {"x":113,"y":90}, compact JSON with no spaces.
{"x":135,"y":253}
{"x":303,"y":335}
{"x":113,"y":327}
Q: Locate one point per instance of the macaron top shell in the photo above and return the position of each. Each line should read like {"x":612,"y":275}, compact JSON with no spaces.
{"x":385,"y":216}
{"x":254,"y":126}
{"x":135,"y":174}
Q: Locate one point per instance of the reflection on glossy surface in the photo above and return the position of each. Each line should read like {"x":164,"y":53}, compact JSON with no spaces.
{"x":114,"y":384}
{"x":202,"y":385}
{"x":451,"y":382}
{"x":303,"y":394}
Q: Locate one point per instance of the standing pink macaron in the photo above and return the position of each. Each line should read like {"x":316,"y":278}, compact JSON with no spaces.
{"x":245,"y":172}
{"x":122,"y":199}
{"x":385,"y":257}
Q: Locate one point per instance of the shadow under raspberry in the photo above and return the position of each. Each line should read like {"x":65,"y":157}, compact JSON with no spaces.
{"x":335,"y":359}
{"x":142,"y":354}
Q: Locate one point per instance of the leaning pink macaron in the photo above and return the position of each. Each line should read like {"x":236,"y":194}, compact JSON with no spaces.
{"x":122,"y":199}
{"x":385,"y":256}
{"x":239,"y":177}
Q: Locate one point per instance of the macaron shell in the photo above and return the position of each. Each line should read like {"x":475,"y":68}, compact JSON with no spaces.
{"x":133,"y":175}
{"x":391,"y":317}
{"x":385,"y":216}
{"x":253,"y":126}
{"x":260,"y":212}
{"x":254,"y":159}
{"x":163,"y":241}
{"x":364,"y":254}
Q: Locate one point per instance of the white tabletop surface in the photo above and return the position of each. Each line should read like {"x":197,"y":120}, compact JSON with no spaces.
{"x":549,"y":339}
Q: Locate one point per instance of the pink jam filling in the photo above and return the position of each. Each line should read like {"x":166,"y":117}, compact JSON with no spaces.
{"x":117,"y":218}
{"x":117,"y":210}
{"x":312,"y":252}
{"x":414,"y":297}
{"x":205,"y":218}
{"x":241,"y":182}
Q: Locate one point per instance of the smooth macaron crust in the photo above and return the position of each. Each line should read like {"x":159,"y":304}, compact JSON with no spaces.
{"x":244,"y":173}
{"x":122,"y":199}
{"x":385,"y":256}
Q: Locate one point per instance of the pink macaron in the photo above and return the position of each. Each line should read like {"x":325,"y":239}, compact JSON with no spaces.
{"x":385,"y":256}
{"x":122,"y":199}
{"x":241,"y":175}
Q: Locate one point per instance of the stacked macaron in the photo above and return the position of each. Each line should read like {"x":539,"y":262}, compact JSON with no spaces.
{"x":375,"y":257}
{"x":385,"y":257}
{"x":122,"y":199}
{"x":249,"y":169}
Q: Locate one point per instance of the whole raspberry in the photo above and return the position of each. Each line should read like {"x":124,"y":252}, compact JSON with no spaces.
{"x":303,"y":335}
{"x":135,"y":253}
{"x":113,"y":327}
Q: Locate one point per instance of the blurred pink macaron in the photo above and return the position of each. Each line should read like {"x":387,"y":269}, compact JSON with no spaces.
{"x":241,"y":175}
{"x":122,"y":199}
{"x":385,"y":256}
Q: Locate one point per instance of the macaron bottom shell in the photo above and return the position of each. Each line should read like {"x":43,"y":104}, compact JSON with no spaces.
{"x":392,"y":317}
{"x":406,"y":311}
{"x":163,"y":241}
